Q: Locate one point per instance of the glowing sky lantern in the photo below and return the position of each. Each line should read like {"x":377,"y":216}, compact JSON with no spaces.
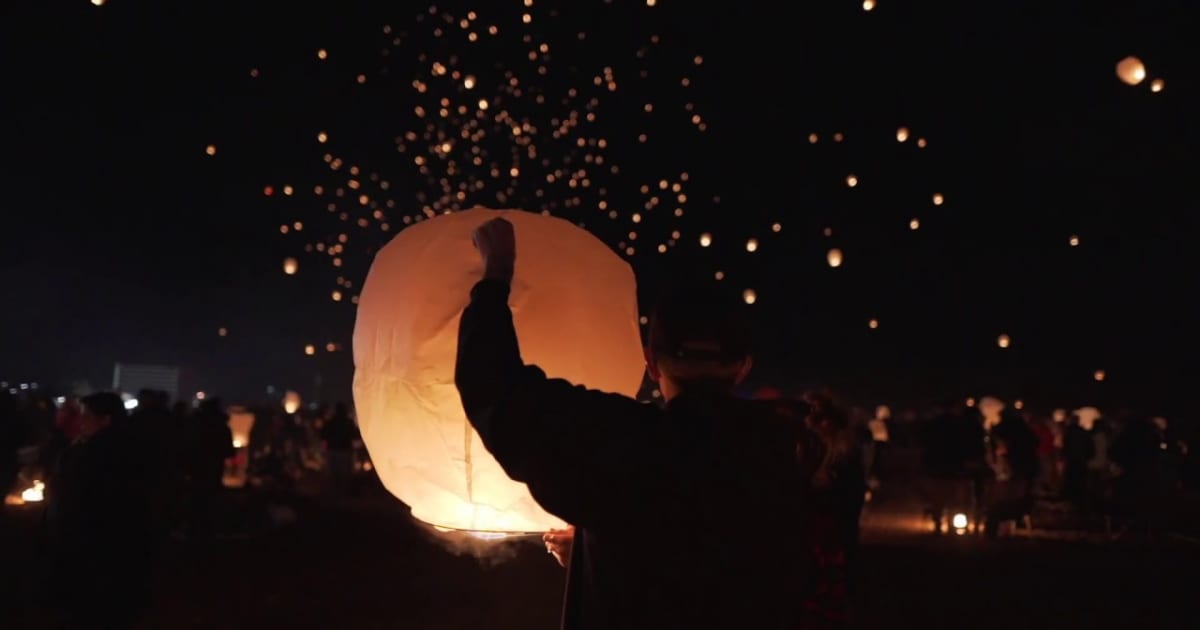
{"x":1003,"y":341}
{"x":991,"y":408}
{"x":1131,"y":70}
{"x":291,"y":402}
{"x":851,"y":180}
{"x":405,"y":342}
{"x":749,"y":296}
{"x":834,"y":257}
{"x":1099,"y":375}
{"x":1157,"y":85}
{"x":1087,"y":417}
{"x":873,"y":324}
{"x":290,"y":266}
{"x":752,"y":245}
{"x":902,"y":134}
{"x":914,"y":224}
{"x":705,"y":239}
{"x":240,"y":424}
{"x":938,"y":199}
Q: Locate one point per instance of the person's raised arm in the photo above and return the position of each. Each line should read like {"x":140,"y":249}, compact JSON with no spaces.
{"x":567,"y":443}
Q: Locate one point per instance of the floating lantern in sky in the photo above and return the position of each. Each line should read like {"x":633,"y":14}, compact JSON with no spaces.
{"x":291,"y":402}
{"x":720,"y":275}
{"x":322,"y":54}
{"x":705,"y":239}
{"x":210,"y":149}
{"x":1099,"y":375}
{"x":812,"y":138}
{"x":922,"y":143}
{"x":290,"y":265}
{"x":406,"y":339}
{"x":310,"y":350}
{"x":827,"y":231}
{"x":1131,"y":70}
{"x":222,"y":331}
{"x":851,"y":180}
{"x":1157,"y":85}
{"x":938,"y":199}
{"x":777,"y":228}
{"x":868,"y":5}
{"x":752,"y":245}
{"x":834,"y":257}
{"x":1074,"y":241}
{"x":749,"y":296}
{"x":98,"y":3}
{"x":914,"y":224}
{"x":1087,"y":417}
{"x":1003,"y":341}
{"x":873,"y":324}
{"x":902,"y":134}
{"x":241,"y":422}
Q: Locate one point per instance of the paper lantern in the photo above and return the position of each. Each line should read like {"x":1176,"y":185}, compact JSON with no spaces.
{"x":1003,"y":341}
{"x":290,"y":265}
{"x":834,"y":257}
{"x":291,"y":402}
{"x":240,"y":424}
{"x":990,"y":408}
{"x":1131,"y":70}
{"x":1087,"y":417}
{"x":575,"y":309}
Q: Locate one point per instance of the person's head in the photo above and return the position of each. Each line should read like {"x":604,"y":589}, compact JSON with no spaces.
{"x":100,"y":411}
{"x":698,"y":342}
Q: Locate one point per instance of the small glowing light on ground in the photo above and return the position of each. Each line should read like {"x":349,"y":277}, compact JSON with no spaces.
{"x":35,"y":493}
{"x":959,"y":521}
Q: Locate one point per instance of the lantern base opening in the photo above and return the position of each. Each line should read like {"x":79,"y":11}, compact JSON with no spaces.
{"x":484,"y":534}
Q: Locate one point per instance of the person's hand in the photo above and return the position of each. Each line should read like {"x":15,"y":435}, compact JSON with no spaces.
{"x":558,"y":543}
{"x":498,"y":248}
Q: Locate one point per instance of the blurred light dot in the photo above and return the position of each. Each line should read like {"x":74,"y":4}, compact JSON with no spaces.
{"x":834,"y":257}
{"x":752,"y":245}
{"x":812,"y":138}
{"x":1074,"y":241}
{"x":322,"y":54}
{"x":851,"y":181}
{"x":915,"y":224}
{"x":749,"y":296}
{"x":322,"y":137}
{"x":902,"y":134}
{"x":777,"y":227}
{"x":938,"y":199}
{"x":1099,"y":375}
{"x":1157,"y":85}
{"x":873,"y":324}
{"x":310,"y":349}
{"x":290,"y":266}
{"x":868,"y":5}
{"x":222,"y":331}
{"x":1003,"y":341}
{"x":211,"y":149}
{"x":720,"y":275}
{"x":1131,"y":70}
{"x":921,"y":143}
{"x":827,"y":231}
{"x":705,"y":239}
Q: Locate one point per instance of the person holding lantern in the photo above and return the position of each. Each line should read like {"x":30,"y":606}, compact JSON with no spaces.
{"x":677,"y":511}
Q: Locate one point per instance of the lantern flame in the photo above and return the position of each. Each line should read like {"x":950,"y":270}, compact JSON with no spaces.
{"x":35,"y":493}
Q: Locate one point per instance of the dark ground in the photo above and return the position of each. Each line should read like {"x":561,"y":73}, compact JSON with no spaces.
{"x":362,"y":564}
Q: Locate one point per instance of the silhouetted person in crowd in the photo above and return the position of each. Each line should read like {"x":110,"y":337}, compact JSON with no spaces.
{"x":98,"y":525}
{"x":835,"y":505}
{"x":686,"y":517}
{"x":1013,"y":456}
{"x":1141,"y":489}
{"x":1078,"y":450}
{"x":154,"y":427}
{"x":12,"y":436}
{"x":210,"y":443}
{"x":339,"y":434}
{"x":953,"y":455}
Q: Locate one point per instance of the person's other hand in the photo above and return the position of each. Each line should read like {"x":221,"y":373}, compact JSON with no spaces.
{"x":558,"y":543}
{"x":497,"y":247}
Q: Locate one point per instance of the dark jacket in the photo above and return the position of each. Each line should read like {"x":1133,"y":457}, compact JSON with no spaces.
{"x":686,"y":517}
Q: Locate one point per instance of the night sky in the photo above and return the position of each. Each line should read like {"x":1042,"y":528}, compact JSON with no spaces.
{"x":123,"y":241}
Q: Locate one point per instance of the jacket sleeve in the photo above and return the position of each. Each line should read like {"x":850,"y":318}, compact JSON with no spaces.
{"x":576,"y":449}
